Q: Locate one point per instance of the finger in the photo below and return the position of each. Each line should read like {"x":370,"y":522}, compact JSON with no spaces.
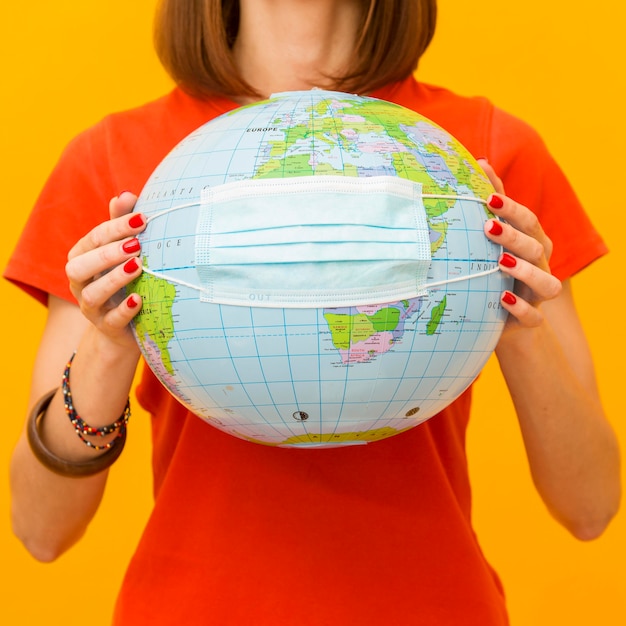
{"x":495,"y":180}
{"x":518,"y":243}
{"x":112,"y":230}
{"x":119,"y":317}
{"x":523,"y":312}
{"x":521,"y":218}
{"x":542,"y":284}
{"x":122,"y":204}
{"x":115,"y":321}
{"x":98,"y":293}
{"x":83,"y":268}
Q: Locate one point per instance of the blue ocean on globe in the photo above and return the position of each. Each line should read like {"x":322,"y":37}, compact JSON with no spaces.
{"x":316,"y":272}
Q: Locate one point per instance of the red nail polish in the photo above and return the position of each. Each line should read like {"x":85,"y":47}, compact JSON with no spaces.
{"x":136,"y":221}
{"x":509,"y":298}
{"x":496,"y":228}
{"x":131,"y":266}
{"x":132,"y":245}
{"x":507,"y":260}
{"x":132,"y":302}
{"x":496,"y":202}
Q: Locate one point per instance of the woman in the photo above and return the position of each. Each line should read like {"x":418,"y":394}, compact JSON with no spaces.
{"x":236,"y":525}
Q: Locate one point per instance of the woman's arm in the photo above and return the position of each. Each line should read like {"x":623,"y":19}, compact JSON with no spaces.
{"x":51,"y":512}
{"x":571,"y":447}
{"x":544,"y":356}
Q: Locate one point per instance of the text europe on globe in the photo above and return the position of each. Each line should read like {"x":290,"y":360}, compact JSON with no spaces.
{"x":316,"y":272}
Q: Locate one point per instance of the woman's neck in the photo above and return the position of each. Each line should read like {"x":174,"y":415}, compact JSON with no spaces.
{"x":286,"y":45}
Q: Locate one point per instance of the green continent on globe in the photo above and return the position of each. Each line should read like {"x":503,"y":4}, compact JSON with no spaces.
{"x":362,"y":333}
{"x":154,"y":323}
{"x":347,"y":329}
{"x":435,"y":317}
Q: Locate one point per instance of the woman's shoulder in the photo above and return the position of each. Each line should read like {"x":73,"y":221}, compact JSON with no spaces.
{"x":162,"y":121}
{"x":473,"y":119}
{"x":125,"y":146}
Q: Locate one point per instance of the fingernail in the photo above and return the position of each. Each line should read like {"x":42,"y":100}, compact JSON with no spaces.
{"x":509,"y":298}
{"x":507,"y":260}
{"x":495,"y":202}
{"x":482,"y":158}
{"x":496,"y":228}
{"x":131,"y":266}
{"x":132,"y":245}
{"x":136,"y":221}
{"x":132,"y":302}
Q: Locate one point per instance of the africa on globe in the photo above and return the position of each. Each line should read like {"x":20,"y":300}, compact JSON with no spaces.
{"x":316,"y":272}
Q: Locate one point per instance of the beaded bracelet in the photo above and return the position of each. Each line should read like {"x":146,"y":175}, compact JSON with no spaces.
{"x":84,"y":430}
{"x":62,"y":467}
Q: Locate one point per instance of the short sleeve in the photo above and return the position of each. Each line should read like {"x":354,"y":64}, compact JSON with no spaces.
{"x":73,"y":200}
{"x":532,"y":177}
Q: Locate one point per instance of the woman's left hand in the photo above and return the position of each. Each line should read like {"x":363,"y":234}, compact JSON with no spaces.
{"x":526,"y":257}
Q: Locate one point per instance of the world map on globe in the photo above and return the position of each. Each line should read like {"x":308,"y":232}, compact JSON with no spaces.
{"x":297,"y":372}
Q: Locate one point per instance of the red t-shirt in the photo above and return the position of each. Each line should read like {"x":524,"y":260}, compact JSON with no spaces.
{"x":248,"y":534}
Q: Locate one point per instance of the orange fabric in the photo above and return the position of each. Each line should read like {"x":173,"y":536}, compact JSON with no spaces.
{"x":246,"y":534}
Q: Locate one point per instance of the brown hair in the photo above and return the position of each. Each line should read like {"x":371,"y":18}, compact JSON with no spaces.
{"x":194,"y":39}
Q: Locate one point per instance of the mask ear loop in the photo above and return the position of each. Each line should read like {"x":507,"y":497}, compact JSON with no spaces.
{"x":427,"y":286}
{"x":178,"y":207}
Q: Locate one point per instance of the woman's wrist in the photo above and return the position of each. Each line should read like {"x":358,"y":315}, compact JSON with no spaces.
{"x":87,"y":417}
{"x":522,"y":342}
{"x":88,"y":433}
{"x":64,"y":466}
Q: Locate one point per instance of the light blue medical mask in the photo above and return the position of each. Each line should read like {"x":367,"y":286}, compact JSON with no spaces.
{"x":318,"y":241}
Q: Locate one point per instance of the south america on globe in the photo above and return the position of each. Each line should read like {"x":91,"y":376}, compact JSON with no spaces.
{"x":315,"y":271}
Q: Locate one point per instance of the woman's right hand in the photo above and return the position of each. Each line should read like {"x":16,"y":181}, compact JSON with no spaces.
{"x":103,"y":263}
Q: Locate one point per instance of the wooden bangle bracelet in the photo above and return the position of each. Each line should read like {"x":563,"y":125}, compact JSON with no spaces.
{"x":62,"y":467}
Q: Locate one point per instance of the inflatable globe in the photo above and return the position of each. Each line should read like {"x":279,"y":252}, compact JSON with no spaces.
{"x":316,"y":272}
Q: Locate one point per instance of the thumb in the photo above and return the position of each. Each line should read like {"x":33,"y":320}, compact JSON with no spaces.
{"x":122,"y":204}
{"x":495,"y":180}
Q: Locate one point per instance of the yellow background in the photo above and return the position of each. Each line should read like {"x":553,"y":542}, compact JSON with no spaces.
{"x":67,"y":63}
